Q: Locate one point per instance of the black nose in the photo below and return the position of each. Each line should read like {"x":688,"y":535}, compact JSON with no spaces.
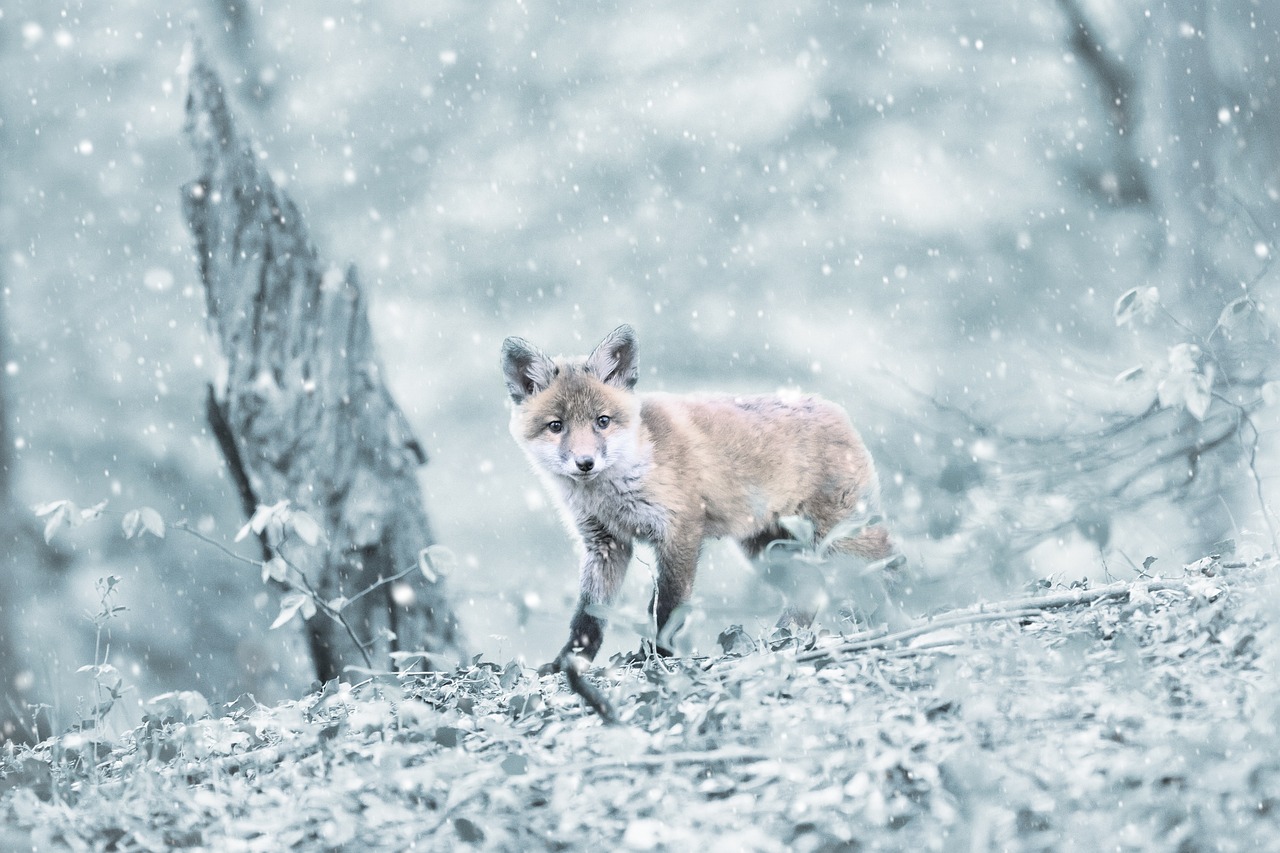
{"x":584,"y":463}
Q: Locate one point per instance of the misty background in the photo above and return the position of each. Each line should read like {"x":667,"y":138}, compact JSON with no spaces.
{"x":925,"y":212}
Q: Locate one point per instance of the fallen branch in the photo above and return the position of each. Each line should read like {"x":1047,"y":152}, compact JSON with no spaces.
{"x":727,"y":755}
{"x":1017,"y":608}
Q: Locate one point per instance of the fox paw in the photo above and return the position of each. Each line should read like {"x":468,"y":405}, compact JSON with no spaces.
{"x":550,"y":668}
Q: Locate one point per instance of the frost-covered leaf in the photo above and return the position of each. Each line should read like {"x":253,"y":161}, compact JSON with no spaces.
{"x":1207,"y":588}
{"x":436,"y":561}
{"x":58,"y":513}
{"x":131,"y":523}
{"x":1184,"y":358}
{"x":468,"y":830}
{"x":1271,"y":393}
{"x":1134,"y":302}
{"x":1235,"y":311}
{"x":143,"y":519}
{"x":291,"y":605}
{"x":523,"y":704}
{"x":1199,"y":396}
{"x":1130,"y":375}
{"x":152,"y":522}
{"x":178,"y":705}
{"x":275,"y":569}
{"x":1186,"y":384}
{"x":306,"y":527}
{"x":262,"y":517}
{"x":800,"y":528}
{"x":100,"y":669}
{"x":448,"y":736}
{"x":90,"y":513}
{"x":41,"y":510}
{"x":735,"y":641}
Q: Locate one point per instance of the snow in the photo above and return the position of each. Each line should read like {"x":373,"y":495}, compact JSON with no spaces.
{"x":916,"y":210}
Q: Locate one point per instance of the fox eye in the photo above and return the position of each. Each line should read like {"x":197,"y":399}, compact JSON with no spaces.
{"x":556,"y":427}
{"x":603,"y":421}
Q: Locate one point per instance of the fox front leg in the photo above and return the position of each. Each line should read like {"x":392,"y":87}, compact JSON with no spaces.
{"x":604,"y":565}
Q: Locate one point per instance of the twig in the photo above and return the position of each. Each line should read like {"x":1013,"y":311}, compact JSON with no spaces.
{"x":382,"y":582}
{"x":191,"y":531}
{"x":589,"y":692}
{"x":711,"y":756}
{"x":1243,"y":419}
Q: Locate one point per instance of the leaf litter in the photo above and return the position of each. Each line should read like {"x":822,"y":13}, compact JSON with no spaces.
{"x":1131,"y":717}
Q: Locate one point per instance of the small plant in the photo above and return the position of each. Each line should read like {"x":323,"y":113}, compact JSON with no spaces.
{"x":108,"y":683}
{"x":274,"y":525}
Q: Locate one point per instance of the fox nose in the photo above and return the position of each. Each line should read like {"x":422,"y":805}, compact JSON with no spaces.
{"x":584,"y":463}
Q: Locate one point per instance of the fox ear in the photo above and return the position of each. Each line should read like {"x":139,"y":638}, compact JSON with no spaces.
{"x":614,"y":361}
{"x":527,"y":370}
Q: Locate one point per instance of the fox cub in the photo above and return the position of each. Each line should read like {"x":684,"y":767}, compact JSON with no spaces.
{"x":674,"y":470}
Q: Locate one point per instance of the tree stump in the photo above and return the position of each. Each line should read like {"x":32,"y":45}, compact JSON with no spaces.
{"x":305,"y":415}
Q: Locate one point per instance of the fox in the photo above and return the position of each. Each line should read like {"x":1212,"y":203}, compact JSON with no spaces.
{"x":675,"y":470}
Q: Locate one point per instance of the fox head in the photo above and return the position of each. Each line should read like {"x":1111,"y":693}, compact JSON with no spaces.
{"x":576,"y":418}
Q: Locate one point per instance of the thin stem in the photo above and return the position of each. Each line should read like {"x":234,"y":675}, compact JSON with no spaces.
{"x":302,"y":584}
{"x":191,"y":531}
{"x":381,"y":582}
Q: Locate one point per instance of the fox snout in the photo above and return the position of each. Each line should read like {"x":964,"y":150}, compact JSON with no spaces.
{"x":584,"y":457}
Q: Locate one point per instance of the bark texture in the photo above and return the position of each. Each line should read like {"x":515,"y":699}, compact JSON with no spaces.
{"x":305,"y":405}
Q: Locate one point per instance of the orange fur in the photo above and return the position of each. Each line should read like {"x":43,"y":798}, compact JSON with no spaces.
{"x":674,"y":470}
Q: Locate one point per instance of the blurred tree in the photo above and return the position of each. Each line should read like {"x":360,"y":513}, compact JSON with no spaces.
{"x":255,"y":77}
{"x":1188,"y":97}
{"x":305,"y":416}
{"x":12,"y":702}
{"x":1191,"y":104}
{"x":1123,"y":177}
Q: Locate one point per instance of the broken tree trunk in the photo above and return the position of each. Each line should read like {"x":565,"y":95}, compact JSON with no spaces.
{"x":305,"y":415}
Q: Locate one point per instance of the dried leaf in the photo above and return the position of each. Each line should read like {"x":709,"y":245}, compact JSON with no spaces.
{"x":515,"y":765}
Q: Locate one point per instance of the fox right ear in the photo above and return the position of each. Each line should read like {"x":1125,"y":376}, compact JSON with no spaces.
{"x":614,"y":360}
{"x":527,"y":370}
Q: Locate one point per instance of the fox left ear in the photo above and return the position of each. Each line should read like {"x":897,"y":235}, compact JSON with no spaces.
{"x":526,"y":369}
{"x":614,"y":361}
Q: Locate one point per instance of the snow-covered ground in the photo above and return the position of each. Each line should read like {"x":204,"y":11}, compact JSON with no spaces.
{"x":879,"y":202}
